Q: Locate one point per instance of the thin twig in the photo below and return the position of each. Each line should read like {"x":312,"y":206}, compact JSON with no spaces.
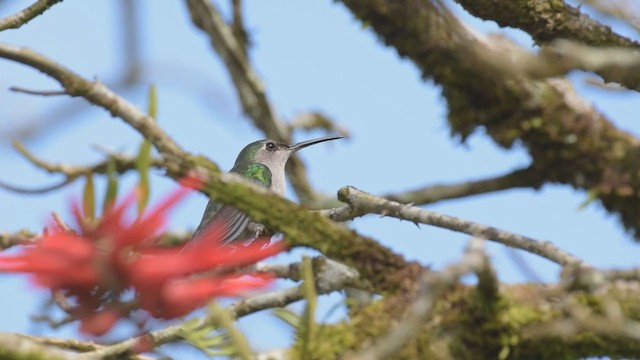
{"x":316,"y":120}
{"x":361,"y":203}
{"x":96,"y":93}
{"x":70,"y":344}
{"x":625,"y":10}
{"x":37,"y":92}
{"x":24,"y":16}
{"x":121,"y":163}
{"x":8,"y":240}
{"x":521,"y":178}
{"x":250,"y":89}
{"x":15,"y":346}
{"x":130,"y":39}
{"x":40,"y":190}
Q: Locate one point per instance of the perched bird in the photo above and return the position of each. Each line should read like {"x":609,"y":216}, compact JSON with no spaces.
{"x":263,"y":162}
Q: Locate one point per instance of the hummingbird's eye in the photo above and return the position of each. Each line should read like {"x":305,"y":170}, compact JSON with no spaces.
{"x":271,"y":146}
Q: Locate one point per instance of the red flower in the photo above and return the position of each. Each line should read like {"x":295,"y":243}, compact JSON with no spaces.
{"x":95,"y":265}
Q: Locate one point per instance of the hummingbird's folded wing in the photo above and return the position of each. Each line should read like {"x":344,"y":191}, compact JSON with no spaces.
{"x":227,"y":218}
{"x":232,"y":221}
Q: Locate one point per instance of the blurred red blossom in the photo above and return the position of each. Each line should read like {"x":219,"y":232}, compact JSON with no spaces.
{"x":94,"y":265}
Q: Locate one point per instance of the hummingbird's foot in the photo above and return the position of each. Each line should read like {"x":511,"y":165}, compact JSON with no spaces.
{"x":258,"y":230}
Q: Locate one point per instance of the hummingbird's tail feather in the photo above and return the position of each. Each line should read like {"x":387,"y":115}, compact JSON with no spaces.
{"x":231,"y":221}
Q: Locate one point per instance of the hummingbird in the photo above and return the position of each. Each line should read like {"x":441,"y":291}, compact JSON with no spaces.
{"x":262,"y":162}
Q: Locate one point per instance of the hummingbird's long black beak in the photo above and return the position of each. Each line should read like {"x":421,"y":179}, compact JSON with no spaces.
{"x":304,"y":144}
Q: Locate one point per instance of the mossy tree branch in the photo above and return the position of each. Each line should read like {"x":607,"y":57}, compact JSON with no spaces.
{"x":459,"y":327}
{"x":569,"y":141}
{"x":549,"y":20}
{"x":301,"y":227}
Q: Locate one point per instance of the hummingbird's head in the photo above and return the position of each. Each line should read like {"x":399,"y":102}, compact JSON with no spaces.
{"x":273,"y":153}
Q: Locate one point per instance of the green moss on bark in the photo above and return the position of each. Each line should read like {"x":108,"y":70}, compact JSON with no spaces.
{"x":568,"y":140}
{"x":461,"y":327}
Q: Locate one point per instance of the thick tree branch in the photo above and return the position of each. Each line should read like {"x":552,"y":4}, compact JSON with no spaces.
{"x":18,"y":19}
{"x":547,"y":20}
{"x":461,"y":326}
{"x":238,"y":28}
{"x":569,"y":141}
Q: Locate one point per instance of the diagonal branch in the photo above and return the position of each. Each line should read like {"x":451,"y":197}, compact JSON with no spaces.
{"x":24,"y":16}
{"x":15,"y":346}
{"x":625,"y":10}
{"x":97,"y":94}
{"x":250,"y":89}
{"x":546,"y":21}
{"x":522,"y":178}
{"x":361,"y":203}
{"x":121,"y":164}
{"x":238,"y":28}
{"x":8,"y":240}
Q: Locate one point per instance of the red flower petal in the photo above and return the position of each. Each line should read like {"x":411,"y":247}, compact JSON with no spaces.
{"x":183,"y":296}
{"x":99,"y":323}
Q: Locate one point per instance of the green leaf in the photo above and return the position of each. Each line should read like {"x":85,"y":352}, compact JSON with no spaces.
{"x":201,"y":337}
{"x":143,"y":161}
{"x":287,"y":316}
{"x":592,"y":195}
{"x":152,"y":101}
{"x":112,"y":186}
{"x":143,"y":184}
{"x":89,"y":199}
{"x":237,"y":340}
{"x":211,"y":342}
{"x":307,"y":327}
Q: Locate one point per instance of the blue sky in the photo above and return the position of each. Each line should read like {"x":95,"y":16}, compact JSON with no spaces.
{"x":312,"y":55}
